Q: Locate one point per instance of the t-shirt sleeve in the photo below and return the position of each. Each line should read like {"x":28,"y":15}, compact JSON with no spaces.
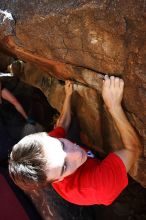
{"x":112,"y":178}
{"x":58,"y":132}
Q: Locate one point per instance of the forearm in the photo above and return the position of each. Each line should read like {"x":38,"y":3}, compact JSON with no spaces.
{"x":112,"y":93}
{"x":127,"y":132}
{"x":65,"y":116}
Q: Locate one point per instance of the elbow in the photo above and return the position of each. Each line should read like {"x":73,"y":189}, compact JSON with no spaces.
{"x":134,"y":166}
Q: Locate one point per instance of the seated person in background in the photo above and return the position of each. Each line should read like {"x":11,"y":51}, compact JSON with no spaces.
{"x":40,"y":159}
{"x":15,"y":68}
{"x":7,"y":95}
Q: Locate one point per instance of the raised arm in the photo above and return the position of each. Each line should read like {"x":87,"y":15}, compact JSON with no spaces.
{"x":112,"y":94}
{"x":65,"y":116}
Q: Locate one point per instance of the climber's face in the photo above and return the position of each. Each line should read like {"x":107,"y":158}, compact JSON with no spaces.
{"x":63,"y":156}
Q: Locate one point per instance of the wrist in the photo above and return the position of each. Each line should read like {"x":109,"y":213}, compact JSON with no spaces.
{"x":68,"y":96}
{"x":115,"y":110}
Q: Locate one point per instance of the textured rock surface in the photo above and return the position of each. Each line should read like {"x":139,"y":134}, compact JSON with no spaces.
{"x":83,"y":40}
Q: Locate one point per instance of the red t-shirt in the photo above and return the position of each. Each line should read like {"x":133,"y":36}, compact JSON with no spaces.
{"x":94,"y":182}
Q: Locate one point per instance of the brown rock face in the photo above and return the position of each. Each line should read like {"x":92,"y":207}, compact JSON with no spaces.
{"x":83,"y":40}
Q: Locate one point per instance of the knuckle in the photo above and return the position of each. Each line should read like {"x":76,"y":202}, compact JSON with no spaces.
{"x":117,"y":79}
{"x":106,"y":77}
{"x":122,"y":81}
